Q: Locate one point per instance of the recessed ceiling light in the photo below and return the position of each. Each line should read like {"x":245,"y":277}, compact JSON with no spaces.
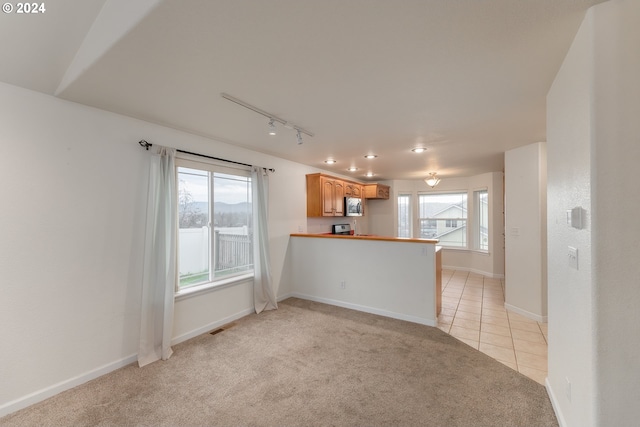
{"x":370,"y":156}
{"x":352,"y":169}
{"x":369,"y":174}
{"x":419,"y":150}
{"x":330,"y":161}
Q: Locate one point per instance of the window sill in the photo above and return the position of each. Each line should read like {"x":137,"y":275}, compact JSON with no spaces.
{"x":475,"y":251}
{"x":204,"y":288}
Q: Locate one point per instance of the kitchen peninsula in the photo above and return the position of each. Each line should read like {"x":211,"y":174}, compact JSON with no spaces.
{"x":388,"y":276}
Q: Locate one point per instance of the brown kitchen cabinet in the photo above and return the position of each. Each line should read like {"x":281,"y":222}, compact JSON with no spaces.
{"x":376,"y":191}
{"x":351,"y":189}
{"x":325,"y":195}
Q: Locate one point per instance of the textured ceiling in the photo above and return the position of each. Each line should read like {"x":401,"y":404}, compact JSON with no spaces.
{"x":465,"y":78}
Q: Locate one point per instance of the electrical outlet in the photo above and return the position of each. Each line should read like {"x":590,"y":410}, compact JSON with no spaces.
{"x":567,"y":389}
{"x":343,"y":285}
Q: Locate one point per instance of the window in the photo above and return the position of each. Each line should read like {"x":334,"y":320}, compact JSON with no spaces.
{"x":214,"y":223}
{"x":481,"y":202}
{"x":443,"y":216}
{"x":404,"y":215}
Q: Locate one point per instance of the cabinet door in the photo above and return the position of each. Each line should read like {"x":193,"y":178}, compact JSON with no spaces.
{"x":327,"y":197}
{"x":338,"y":198}
{"x":353,"y":190}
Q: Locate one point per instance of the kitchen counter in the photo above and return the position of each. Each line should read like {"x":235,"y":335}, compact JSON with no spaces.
{"x":367,"y":237}
{"x":388,"y":276}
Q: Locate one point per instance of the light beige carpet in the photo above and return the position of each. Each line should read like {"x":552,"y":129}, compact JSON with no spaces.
{"x":307,"y":364}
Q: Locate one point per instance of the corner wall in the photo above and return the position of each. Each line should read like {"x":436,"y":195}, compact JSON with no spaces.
{"x":525,"y":231}
{"x":72,"y":226}
{"x":593,"y":141}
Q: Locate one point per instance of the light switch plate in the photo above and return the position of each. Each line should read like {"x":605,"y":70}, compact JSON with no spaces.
{"x":573,"y":257}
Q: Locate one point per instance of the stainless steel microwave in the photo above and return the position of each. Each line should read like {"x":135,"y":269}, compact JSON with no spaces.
{"x":353,"y":206}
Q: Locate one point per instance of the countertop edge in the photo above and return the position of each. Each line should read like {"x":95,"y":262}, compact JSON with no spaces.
{"x":378,"y":238}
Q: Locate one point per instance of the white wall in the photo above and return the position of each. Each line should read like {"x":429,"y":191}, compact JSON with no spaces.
{"x":489,"y":263}
{"x":394,"y":279}
{"x":593,"y":143}
{"x":72,"y":223}
{"x":526,"y":231}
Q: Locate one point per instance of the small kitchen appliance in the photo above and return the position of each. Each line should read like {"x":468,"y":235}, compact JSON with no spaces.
{"x":340,"y":229}
{"x":353,"y":206}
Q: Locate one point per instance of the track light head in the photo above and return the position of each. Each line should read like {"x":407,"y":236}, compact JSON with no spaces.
{"x":272,"y":128}
{"x":299,"y":137}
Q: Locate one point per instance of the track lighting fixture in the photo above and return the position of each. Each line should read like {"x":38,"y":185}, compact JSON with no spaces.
{"x":432,"y":180}
{"x":272,"y":118}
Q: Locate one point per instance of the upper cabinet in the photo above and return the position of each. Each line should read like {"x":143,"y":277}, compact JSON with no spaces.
{"x":376,"y":191}
{"x":351,"y":189}
{"x":325,"y":195}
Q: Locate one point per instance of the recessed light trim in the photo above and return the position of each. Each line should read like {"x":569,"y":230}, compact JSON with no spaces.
{"x":352,"y":169}
{"x":419,"y":149}
{"x":370,"y":156}
{"x":369,"y":174}
{"x":330,"y":161}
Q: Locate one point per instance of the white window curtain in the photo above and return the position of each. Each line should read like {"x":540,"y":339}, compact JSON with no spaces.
{"x":159,"y":273}
{"x":263,"y":296}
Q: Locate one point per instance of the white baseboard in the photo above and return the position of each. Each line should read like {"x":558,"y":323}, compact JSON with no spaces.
{"x":554,"y":403}
{"x":366,"y":309}
{"x":473,"y":270}
{"x":211,"y":326}
{"x":285,"y":296}
{"x":525,"y":313}
{"x":45,"y":393}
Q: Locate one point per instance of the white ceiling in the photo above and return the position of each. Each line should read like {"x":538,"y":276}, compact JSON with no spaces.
{"x":465,"y":78}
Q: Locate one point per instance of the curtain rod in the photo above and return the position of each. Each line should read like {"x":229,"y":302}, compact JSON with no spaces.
{"x":146,"y":146}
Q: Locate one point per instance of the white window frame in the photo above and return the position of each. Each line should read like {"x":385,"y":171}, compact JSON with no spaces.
{"x":200,"y":163}
{"x":408,"y":212}
{"x":477,"y":220}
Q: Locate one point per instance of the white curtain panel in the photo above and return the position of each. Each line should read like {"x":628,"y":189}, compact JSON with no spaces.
{"x":263,"y":296}
{"x":159,"y":275}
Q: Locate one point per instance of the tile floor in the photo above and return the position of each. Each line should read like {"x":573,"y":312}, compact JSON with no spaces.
{"x":473,"y":312}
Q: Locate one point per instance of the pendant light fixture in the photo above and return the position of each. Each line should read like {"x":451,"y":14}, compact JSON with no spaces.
{"x":432,"y":180}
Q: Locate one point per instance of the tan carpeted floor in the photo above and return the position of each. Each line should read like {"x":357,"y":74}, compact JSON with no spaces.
{"x":307,"y":364}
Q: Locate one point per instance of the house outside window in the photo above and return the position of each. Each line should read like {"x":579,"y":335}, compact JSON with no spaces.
{"x":443,"y":216}
{"x":214,"y":223}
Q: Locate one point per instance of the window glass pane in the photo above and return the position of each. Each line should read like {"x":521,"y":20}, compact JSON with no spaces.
{"x":404,"y":215}
{"x":482,"y":215}
{"x":193,"y":226}
{"x":215,"y":221}
{"x":232,"y":225}
{"x":443,"y":217}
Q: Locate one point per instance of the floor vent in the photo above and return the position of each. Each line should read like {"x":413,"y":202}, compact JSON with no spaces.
{"x":222,"y":328}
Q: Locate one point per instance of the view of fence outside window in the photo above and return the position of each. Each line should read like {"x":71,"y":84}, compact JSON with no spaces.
{"x":215,"y":224}
{"x":443,"y":216}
